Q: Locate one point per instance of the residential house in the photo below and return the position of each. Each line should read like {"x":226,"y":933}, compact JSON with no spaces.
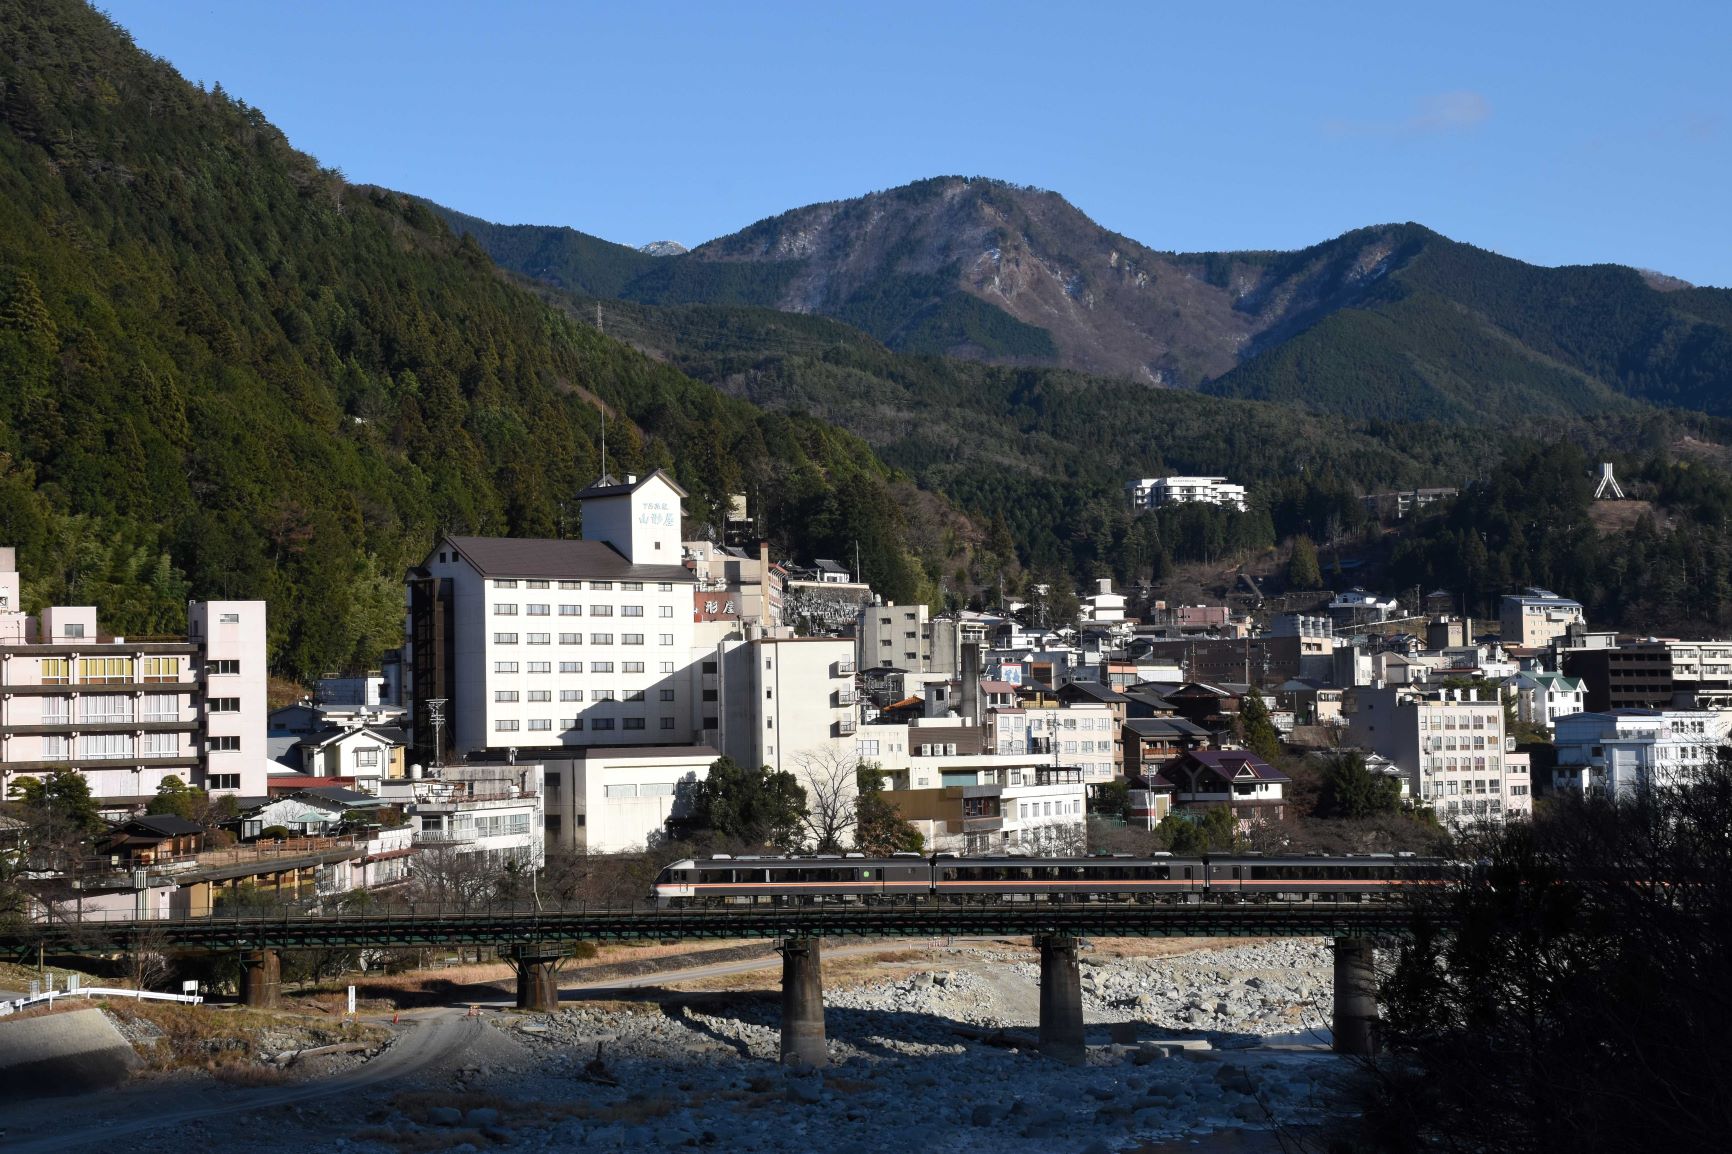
{"x":1236,"y":778}
{"x":1542,"y":698}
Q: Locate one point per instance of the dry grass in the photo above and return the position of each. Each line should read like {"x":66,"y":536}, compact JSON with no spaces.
{"x":18,"y":977}
{"x":227,"y":1043}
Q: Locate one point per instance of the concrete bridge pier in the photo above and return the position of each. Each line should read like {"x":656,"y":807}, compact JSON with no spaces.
{"x":261,"y":978}
{"x":537,"y":968}
{"x":1061,"y":1018}
{"x":803,"y":1042}
{"x":1355,"y":1026}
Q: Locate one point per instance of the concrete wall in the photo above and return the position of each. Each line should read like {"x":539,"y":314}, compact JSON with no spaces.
{"x":67,"y":1053}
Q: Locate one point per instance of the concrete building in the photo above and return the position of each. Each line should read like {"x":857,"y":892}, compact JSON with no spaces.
{"x":1532,"y":618}
{"x":894,"y":635}
{"x":734,"y":587}
{"x":617,"y":799}
{"x":1451,"y":745}
{"x":1154,"y":492}
{"x":989,"y":804}
{"x":1626,"y":749}
{"x":125,"y":713}
{"x":489,"y":808}
{"x":542,"y":644}
{"x":785,"y":702}
{"x":1103,"y":604}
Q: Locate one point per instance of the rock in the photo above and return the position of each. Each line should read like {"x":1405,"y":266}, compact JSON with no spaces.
{"x":444,"y":1115}
{"x":1149,"y":1052}
{"x":1101,"y":1093}
{"x":982,"y":1115}
{"x":805,"y":1090}
{"x":482,"y":1116}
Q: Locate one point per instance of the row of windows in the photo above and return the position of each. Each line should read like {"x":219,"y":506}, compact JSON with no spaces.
{"x":535,"y":695}
{"x":539,"y":609}
{"x":577,"y":667}
{"x":595,"y":586}
{"x":577,"y":638}
{"x":546,"y":725}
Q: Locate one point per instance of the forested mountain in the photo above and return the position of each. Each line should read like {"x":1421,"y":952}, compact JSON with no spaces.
{"x":1392,"y":321}
{"x":226,"y":372}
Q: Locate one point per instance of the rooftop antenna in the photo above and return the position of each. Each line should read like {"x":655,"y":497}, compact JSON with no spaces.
{"x":1608,"y":486}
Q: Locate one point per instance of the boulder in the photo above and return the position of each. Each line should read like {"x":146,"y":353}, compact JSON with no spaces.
{"x":444,"y":1115}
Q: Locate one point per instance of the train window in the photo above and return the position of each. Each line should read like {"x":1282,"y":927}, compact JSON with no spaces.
{"x":1188,"y":874}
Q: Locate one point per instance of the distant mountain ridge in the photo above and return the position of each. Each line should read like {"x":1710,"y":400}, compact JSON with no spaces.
{"x":1390,"y":320}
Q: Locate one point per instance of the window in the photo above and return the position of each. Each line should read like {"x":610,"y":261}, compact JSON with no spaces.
{"x":535,"y":584}
{"x":97,"y":670}
{"x":225,"y":705}
{"x":540,"y":695}
{"x":160,"y":745}
{"x":665,"y":639}
{"x":571,"y":723}
{"x":367,"y":758}
{"x":225,"y":745}
{"x":58,"y":748}
{"x":541,"y":638}
{"x":633,"y":723}
{"x":866,"y":748}
{"x":571,"y":584}
{"x":667,"y":694}
{"x":601,"y":586}
{"x":224,"y":780}
{"x":161,"y":707}
{"x":505,"y":611}
{"x":601,"y":639}
{"x":541,"y":667}
{"x":631,"y":639}
{"x":709,"y":667}
{"x":571,"y":611}
{"x":571,"y":639}
{"x":56,"y":670}
{"x":539,"y":610}
{"x":505,"y":584}
{"x":601,"y":695}
{"x":634,"y":695}
{"x":665,"y":587}
{"x":666,"y":666}
{"x":667,"y":723}
{"x":631,"y":610}
{"x":571,"y":667}
{"x":107,"y":709}
{"x":505,"y":726}
{"x":631,"y":667}
{"x":505,"y":695}
{"x":229,"y":619}
{"x":540,"y":724}
{"x":601,"y":610}
{"x":223,"y":668}
{"x":665,"y":611}
{"x":505,"y":667}
{"x":505,"y":639}
{"x":631,"y":587}
{"x":601,"y":667}
{"x":601,"y":723}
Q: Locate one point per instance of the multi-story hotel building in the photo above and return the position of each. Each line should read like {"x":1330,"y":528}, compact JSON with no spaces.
{"x":539,"y":643}
{"x":125,"y":712}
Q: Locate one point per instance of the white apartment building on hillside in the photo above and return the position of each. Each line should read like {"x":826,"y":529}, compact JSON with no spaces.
{"x":898,"y":636}
{"x":1154,"y":492}
{"x":785,"y":702}
{"x":128,"y":713}
{"x":546,"y":643}
{"x":1451,"y":746}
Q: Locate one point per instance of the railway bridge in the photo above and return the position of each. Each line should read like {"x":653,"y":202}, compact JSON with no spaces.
{"x":537,"y":941}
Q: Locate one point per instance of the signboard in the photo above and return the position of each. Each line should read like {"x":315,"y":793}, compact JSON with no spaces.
{"x":189,"y":987}
{"x":351,"y":1001}
{"x":716,"y":605}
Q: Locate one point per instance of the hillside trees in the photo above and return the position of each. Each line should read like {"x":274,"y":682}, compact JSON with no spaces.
{"x":228,"y":373}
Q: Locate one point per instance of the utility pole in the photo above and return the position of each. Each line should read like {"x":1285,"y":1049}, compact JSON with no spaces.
{"x":598,"y":327}
{"x":436,"y":718}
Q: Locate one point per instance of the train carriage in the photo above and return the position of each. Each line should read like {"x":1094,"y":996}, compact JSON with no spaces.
{"x":793,"y":881}
{"x":1068,"y":879}
{"x":1352,"y":878}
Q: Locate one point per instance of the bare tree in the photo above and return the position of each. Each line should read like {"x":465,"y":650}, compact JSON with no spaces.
{"x":831,"y":777}
{"x":147,"y":958}
{"x":445,"y":876}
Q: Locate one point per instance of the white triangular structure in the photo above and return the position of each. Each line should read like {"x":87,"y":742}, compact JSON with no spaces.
{"x":1608,"y":486}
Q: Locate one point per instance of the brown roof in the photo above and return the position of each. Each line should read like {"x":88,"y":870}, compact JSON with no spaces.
{"x":541,"y":557}
{"x":608,"y":486}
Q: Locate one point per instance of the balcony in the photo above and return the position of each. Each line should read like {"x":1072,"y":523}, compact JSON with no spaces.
{"x":445,"y":837}
{"x":845,"y":668}
{"x":844,"y":728}
{"x":982,"y":824}
{"x":844,"y":697}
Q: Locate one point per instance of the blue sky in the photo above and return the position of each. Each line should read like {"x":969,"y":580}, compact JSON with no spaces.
{"x":1556,"y":133}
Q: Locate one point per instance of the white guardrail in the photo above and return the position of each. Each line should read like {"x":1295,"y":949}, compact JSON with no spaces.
{"x":16,"y":1004}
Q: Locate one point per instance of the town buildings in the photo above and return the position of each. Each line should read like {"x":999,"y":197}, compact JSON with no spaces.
{"x":127,"y":712}
{"x":1542,"y":698}
{"x":1451,"y":745}
{"x":1621,"y":750}
{"x":1532,"y":618}
{"x":549,"y":644}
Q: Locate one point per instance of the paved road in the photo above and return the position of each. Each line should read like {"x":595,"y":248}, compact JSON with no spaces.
{"x":431,"y":1039}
